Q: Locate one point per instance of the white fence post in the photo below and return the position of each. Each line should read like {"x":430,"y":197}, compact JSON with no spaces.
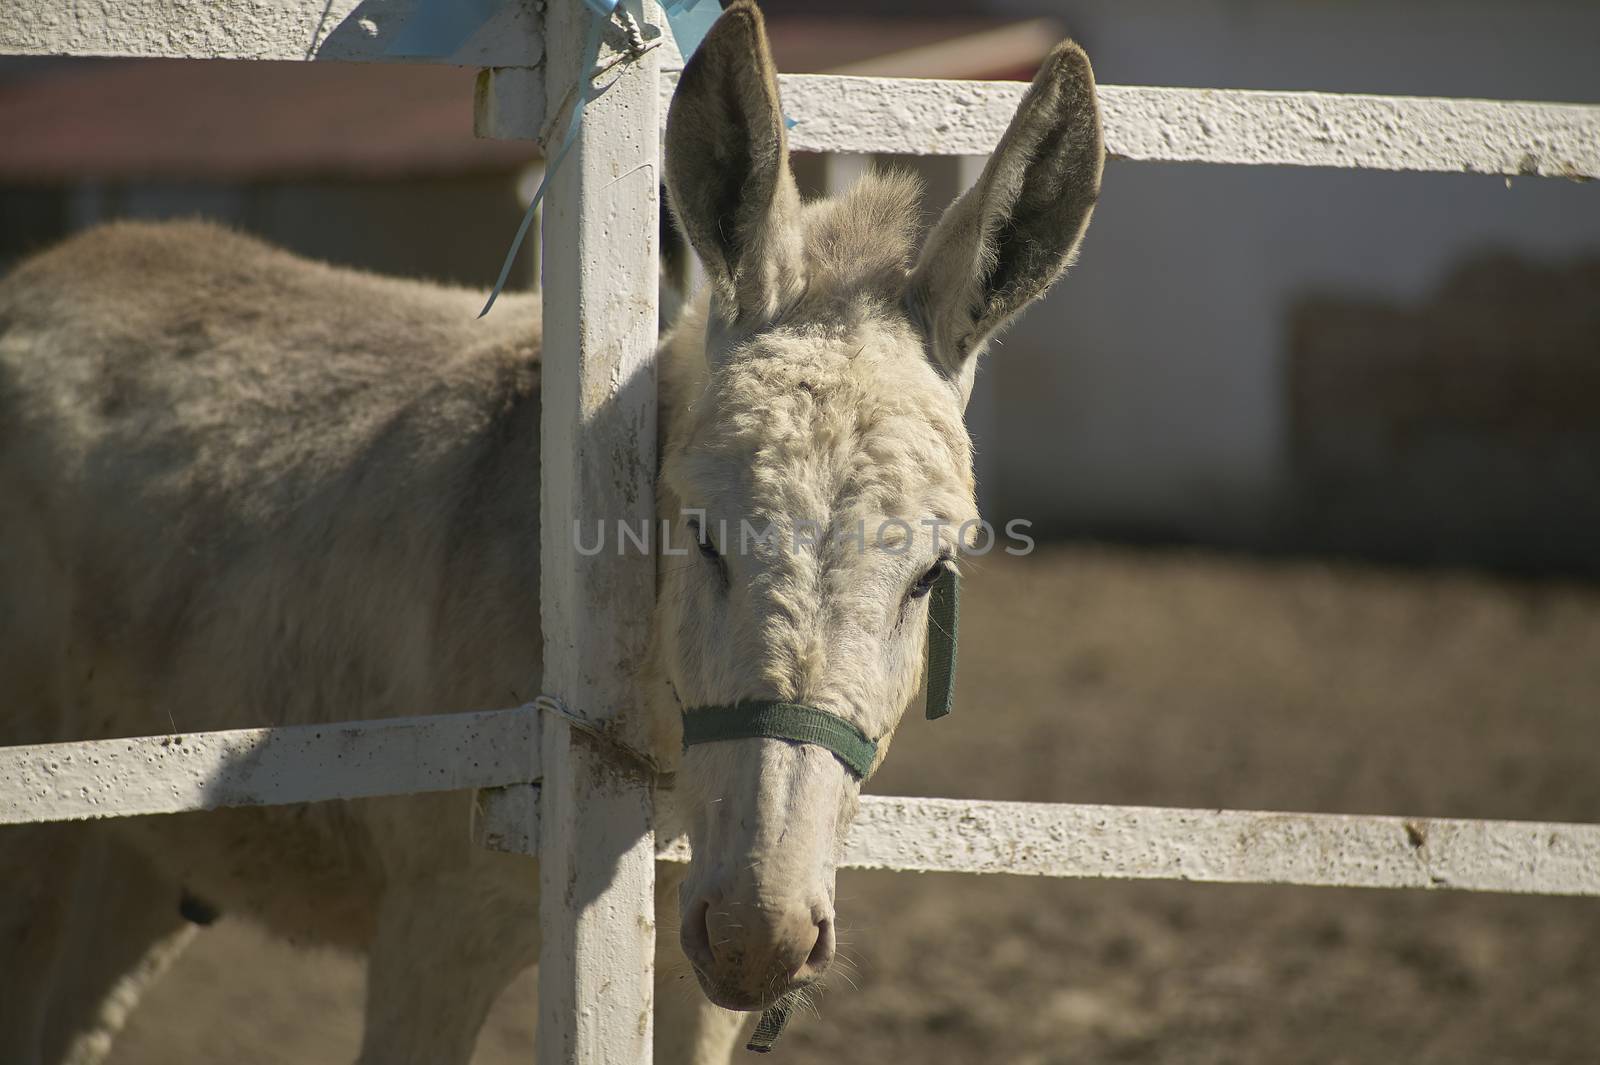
{"x":597,"y":847}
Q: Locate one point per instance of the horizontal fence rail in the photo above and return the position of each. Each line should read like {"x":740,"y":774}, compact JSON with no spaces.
{"x":1225,"y":846}
{"x":267,"y":766}
{"x":497,"y":749}
{"x":841,"y":113}
{"x":1230,"y":126}
{"x":345,"y":30}
{"x":1073,"y":840}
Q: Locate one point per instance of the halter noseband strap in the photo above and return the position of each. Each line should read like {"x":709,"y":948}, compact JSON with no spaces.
{"x":782,"y":721}
{"x":772,"y":719}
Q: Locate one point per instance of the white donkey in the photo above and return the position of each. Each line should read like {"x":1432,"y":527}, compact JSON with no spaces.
{"x":238,"y":488}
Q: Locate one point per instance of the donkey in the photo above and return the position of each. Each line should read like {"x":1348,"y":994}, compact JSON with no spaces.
{"x":238,"y":488}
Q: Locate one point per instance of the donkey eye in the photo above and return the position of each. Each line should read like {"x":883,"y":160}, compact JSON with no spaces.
{"x":926,"y":582}
{"x":708,"y":550}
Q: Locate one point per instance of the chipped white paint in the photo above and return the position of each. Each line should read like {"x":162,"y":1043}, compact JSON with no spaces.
{"x":597,"y":848}
{"x":1227,"y":846}
{"x":933,"y":117}
{"x":1353,"y":131}
{"x":351,"y":30}
{"x":1218,"y":846}
{"x":267,"y":766}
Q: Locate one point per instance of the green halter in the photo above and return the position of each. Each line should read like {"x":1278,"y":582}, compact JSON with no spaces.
{"x":807,"y":724}
{"x":777,"y":720}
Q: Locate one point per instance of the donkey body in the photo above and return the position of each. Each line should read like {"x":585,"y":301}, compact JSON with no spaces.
{"x":238,"y":488}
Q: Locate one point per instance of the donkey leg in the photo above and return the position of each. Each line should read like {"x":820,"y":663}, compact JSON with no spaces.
{"x":38,"y":864}
{"x":128,"y":926}
{"x":447,"y":944}
{"x":689,"y":1029}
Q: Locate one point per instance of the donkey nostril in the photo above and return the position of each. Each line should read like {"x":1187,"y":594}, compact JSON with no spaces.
{"x":821,"y":952}
{"x":695,"y":936}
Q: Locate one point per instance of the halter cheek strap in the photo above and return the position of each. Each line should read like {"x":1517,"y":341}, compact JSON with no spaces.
{"x":944,"y":617}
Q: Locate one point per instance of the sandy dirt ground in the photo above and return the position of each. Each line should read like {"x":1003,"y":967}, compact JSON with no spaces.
{"x":1094,"y":675}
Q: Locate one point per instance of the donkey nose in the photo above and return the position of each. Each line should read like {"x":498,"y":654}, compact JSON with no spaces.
{"x":750,"y":954}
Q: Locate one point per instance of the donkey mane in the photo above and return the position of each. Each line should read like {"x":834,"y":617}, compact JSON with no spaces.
{"x":860,"y":243}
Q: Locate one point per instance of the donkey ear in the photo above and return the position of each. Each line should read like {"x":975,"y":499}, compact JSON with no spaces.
{"x":727,"y":164}
{"x":1010,"y":236}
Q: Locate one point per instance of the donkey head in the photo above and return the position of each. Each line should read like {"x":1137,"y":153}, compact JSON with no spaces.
{"x":815,"y":462}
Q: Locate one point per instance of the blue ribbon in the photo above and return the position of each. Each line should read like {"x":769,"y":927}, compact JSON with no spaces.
{"x":690,"y":21}
{"x":439,"y":27}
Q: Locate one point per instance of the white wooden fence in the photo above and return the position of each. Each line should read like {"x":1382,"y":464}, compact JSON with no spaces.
{"x":553,"y":785}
